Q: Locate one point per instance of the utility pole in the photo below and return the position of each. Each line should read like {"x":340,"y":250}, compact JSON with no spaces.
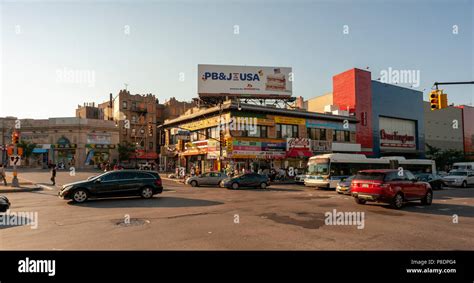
{"x":15,"y":138}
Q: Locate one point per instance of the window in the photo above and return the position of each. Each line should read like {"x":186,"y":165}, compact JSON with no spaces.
{"x":110,"y":177}
{"x":142,"y":131}
{"x":124,"y":104}
{"x":258,"y":132}
{"x":134,"y":119}
{"x":317,"y":134}
{"x":341,"y":136}
{"x":134,"y":132}
{"x":286,"y":131}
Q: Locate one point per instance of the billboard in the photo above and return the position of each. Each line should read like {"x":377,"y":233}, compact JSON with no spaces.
{"x":246,"y":81}
{"x":397,"y":134}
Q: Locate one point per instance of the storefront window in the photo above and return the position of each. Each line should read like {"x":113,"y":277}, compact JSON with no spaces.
{"x":341,"y":136}
{"x":286,"y":131}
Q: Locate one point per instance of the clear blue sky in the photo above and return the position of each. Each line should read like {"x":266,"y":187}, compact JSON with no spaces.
{"x":169,"y":37}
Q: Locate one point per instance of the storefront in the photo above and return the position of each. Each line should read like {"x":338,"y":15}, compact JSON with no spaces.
{"x":64,"y":153}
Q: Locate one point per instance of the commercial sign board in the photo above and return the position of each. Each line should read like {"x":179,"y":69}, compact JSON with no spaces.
{"x":397,"y":133}
{"x":289,"y":120}
{"x":302,"y":143}
{"x":98,"y":139}
{"x":254,"y":81}
{"x":329,"y":125}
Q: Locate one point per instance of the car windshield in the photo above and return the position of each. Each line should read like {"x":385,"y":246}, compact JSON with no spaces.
{"x":457,"y":174}
{"x":378,"y":176}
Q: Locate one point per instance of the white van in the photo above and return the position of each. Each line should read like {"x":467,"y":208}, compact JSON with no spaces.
{"x":466,"y":166}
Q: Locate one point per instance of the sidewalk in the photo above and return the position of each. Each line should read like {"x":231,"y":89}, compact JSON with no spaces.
{"x":25,"y":186}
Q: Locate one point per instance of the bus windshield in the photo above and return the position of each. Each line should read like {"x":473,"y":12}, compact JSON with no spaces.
{"x":319,"y":166}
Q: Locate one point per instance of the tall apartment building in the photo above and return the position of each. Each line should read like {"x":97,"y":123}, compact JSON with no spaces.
{"x":135,"y":115}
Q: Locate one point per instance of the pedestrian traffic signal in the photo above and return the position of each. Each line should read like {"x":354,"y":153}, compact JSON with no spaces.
{"x":15,"y":137}
{"x":438,"y":99}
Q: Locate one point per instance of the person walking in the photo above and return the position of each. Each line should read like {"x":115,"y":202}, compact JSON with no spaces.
{"x":53,"y":174}
{"x":2,"y":174}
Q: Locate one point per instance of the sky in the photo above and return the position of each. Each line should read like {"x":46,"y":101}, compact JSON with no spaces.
{"x":56,"y":55}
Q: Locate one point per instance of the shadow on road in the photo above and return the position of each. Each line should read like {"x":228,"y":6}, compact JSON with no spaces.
{"x":456,"y":193}
{"x":139,"y":202}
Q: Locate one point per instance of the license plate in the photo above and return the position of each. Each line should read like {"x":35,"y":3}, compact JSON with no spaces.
{"x":365,"y":185}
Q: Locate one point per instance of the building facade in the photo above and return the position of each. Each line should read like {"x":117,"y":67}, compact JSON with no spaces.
{"x":253,"y":137}
{"x":391,"y":119}
{"x":72,"y":141}
{"x":444,"y":127}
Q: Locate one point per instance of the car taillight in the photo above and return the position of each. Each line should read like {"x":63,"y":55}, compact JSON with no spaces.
{"x":158,"y":182}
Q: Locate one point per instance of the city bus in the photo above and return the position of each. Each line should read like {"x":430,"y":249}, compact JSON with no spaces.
{"x":326,"y":170}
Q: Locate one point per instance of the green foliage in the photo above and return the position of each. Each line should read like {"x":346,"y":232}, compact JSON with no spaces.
{"x":125,"y":150}
{"x":28,"y":148}
{"x":444,"y":158}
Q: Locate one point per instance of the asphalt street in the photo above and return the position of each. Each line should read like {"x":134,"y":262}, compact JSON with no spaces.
{"x":283,"y":217}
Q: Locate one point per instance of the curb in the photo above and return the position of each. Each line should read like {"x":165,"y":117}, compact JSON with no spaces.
{"x":44,"y":187}
{"x":21,"y":190}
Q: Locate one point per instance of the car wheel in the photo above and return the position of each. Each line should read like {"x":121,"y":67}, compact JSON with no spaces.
{"x":194,"y":183}
{"x":397,"y":201}
{"x":235,"y":186}
{"x":427,"y":199}
{"x":360,"y":201}
{"x":464,"y":184}
{"x":146,"y":192}
{"x":80,"y":196}
{"x":263,"y":185}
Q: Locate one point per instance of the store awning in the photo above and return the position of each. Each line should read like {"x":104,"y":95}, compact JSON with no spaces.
{"x":299,"y":152}
{"x":39,"y":150}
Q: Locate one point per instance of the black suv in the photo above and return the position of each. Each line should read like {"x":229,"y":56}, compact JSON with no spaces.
{"x":114,"y":184}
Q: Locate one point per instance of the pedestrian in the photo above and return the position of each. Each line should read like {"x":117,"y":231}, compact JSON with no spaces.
{"x":53,"y":174}
{"x":2,"y":174}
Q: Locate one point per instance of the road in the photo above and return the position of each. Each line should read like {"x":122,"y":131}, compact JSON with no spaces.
{"x":283,"y":217}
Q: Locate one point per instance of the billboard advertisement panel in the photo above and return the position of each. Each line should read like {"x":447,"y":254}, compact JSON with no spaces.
{"x":397,"y":134}
{"x":247,"y":81}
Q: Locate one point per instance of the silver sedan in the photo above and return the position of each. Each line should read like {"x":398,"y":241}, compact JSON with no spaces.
{"x":206,"y":179}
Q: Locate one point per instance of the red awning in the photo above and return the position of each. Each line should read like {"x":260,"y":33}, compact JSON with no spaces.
{"x":299,"y":152}
{"x":142,"y":155}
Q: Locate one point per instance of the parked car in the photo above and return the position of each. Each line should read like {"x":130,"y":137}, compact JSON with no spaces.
{"x":114,"y":183}
{"x":344,"y":186}
{"x":252,"y":180}
{"x":4,"y":204}
{"x":435,"y":181}
{"x":206,"y":179}
{"x":299,"y":179}
{"x":459,"y":178}
{"x":389,"y":186}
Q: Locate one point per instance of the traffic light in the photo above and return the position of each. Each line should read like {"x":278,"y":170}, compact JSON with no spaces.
{"x":15,"y":137}
{"x":438,"y":99}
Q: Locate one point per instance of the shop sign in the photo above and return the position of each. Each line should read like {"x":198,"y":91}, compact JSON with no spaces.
{"x":397,"y":133}
{"x":204,"y":123}
{"x":101,"y":146}
{"x":303,"y":143}
{"x":289,"y":120}
{"x":98,"y":139}
{"x":322,"y":124}
{"x":65,"y":146}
